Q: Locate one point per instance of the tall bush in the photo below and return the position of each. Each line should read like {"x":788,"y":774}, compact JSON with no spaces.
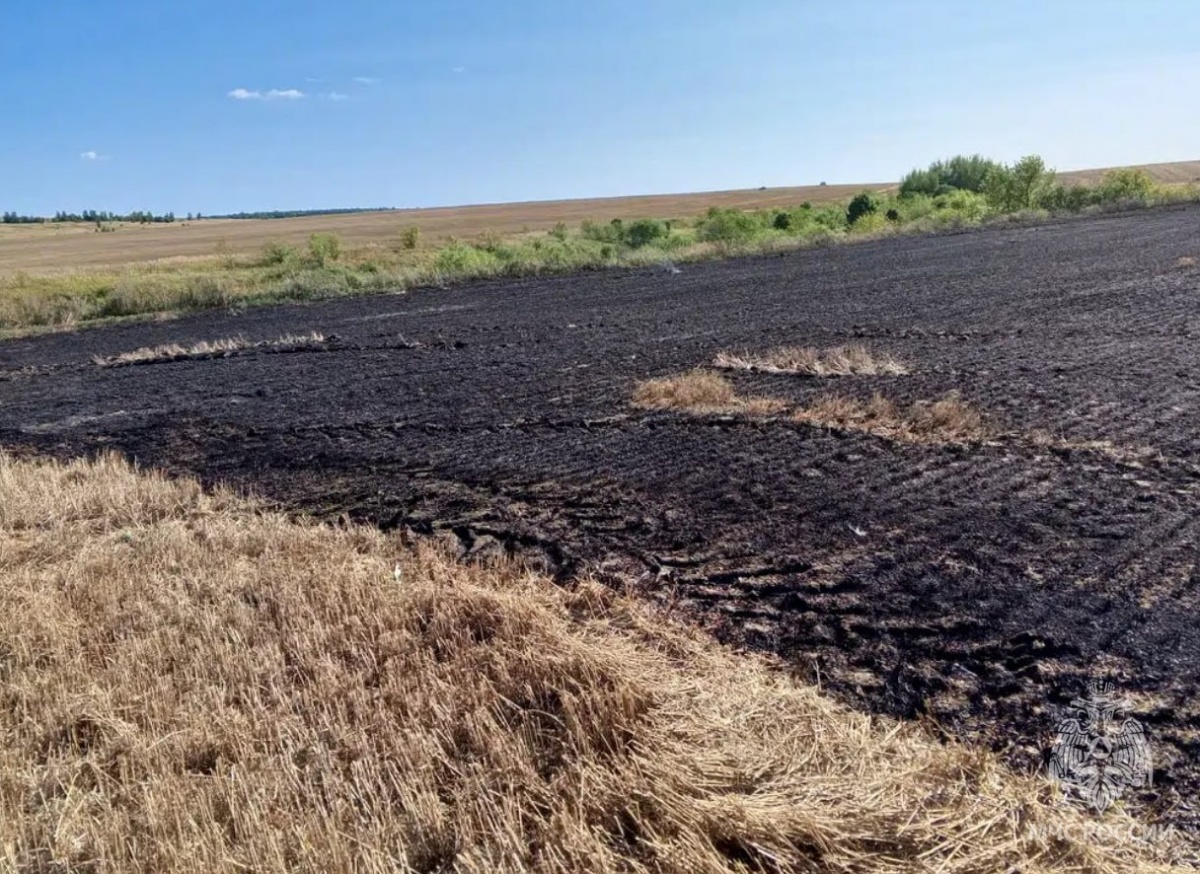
{"x":1021,"y":186}
{"x":1125,"y":184}
{"x":960,"y":173}
{"x":324,"y":249}
{"x":729,"y":226}
{"x":643,"y":232}
{"x":864,"y":204}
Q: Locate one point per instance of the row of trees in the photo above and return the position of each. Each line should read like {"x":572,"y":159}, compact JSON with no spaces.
{"x":98,"y":216}
{"x":93,"y":216}
{"x":1027,"y":184}
{"x":300,"y":213}
{"x":140,"y":217}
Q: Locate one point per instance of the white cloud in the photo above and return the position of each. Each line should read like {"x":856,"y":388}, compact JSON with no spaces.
{"x":367,"y":80}
{"x":90,"y":156}
{"x":459,"y":70}
{"x":334,"y":95}
{"x":273,"y":94}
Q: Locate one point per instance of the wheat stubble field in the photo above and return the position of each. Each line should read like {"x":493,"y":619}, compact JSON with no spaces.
{"x":53,"y":248}
{"x":43,"y":248}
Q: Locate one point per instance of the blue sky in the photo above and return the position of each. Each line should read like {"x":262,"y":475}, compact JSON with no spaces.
{"x":222,"y":106}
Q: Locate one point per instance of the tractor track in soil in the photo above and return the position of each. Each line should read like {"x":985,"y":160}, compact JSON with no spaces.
{"x":973,"y":586}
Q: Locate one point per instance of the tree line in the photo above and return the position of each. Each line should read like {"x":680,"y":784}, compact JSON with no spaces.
{"x":140,"y":217}
{"x":93,"y":216}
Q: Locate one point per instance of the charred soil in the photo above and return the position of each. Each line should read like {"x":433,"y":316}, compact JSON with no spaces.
{"x":973,"y":585}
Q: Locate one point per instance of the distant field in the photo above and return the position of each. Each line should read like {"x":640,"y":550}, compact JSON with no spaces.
{"x":1178,"y":173}
{"x":43,"y":248}
{"x":52,"y":248}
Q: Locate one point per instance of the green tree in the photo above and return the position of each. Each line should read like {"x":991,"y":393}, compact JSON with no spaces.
{"x":1021,"y":186}
{"x":960,"y":173}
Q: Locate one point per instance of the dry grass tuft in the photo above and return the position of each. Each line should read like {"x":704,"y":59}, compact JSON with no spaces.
{"x":701,"y":391}
{"x":205,"y":349}
{"x":1134,"y":456}
{"x":1186,"y":261}
{"x":949,"y":420}
{"x":193,"y":684}
{"x":854,"y":360}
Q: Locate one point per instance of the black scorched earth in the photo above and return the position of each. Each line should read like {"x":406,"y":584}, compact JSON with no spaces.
{"x":974,"y":585}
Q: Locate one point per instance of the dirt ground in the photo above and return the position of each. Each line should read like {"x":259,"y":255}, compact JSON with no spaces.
{"x":976,"y":587}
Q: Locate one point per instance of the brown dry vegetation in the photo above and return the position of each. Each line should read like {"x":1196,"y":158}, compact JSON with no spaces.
{"x":700,"y":391}
{"x":1131,"y":455}
{"x":948,"y":420}
{"x":856,"y":360}
{"x":205,"y":349}
{"x":192,"y":683}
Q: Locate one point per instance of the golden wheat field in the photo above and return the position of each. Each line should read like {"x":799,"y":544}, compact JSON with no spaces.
{"x":42,"y":248}
{"x":48,"y":248}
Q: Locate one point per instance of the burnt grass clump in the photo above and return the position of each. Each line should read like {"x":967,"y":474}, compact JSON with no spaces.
{"x":975,"y":585}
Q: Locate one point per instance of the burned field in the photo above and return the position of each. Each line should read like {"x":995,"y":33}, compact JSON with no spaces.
{"x":975,"y":581}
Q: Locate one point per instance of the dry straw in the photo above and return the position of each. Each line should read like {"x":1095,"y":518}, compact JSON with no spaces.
{"x":191,"y":683}
{"x":856,"y":360}
{"x":947,"y":420}
{"x":700,"y":391}
{"x":207,"y":349}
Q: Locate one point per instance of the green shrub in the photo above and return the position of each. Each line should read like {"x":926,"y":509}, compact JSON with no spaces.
{"x":960,"y":207}
{"x":869,"y":222}
{"x":314,"y":283}
{"x":1125,"y":184}
{"x":559,"y":231}
{"x":1067,"y":198}
{"x":819,"y":236}
{"x":324,"y":249}
{"x":832,"y":218}
{"x":893,"y":215}
{"x":275,"y":253}
{"x":782,"y":221}
{"x":460,"y":261}
{"x":612,"y":233}
{"x":643,"y":232}
{"x":729,"y":226}
{"x":864,"y":204}
{"x":410,"y":238}
{"x":915,"y":206}
{"x":205,"y":292}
